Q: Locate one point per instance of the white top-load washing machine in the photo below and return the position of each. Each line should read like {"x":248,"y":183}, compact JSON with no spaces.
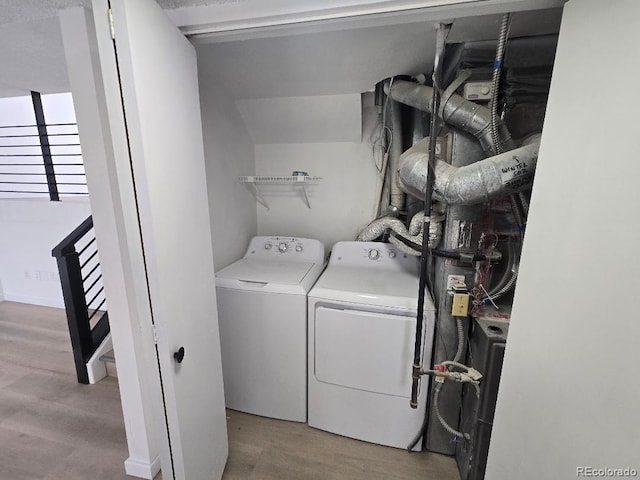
{"x":362,"y":321}
{"x":262,"y":313}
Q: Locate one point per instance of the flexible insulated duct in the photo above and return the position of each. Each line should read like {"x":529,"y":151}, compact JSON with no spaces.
{"x":490,"y":178}
{"x":376,"y":228}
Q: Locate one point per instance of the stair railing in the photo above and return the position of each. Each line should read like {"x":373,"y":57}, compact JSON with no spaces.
{"x":83,"y":292}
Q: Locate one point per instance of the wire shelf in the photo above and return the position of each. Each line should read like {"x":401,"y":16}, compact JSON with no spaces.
{"x":279,"y":180}
{"x":297,"y":180}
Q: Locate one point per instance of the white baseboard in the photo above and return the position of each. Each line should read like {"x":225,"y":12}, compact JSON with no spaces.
{"x":142,"y":469}
{"x":42,"y":301}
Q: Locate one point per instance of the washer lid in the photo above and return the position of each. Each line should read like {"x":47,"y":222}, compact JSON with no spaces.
{"x":266,"y":271}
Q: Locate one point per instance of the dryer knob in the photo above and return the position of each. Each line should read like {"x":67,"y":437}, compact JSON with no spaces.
{"x":267,"y":246}
{"x":374,"y":254}
{"x":298,"y":248}
{"x":283,"y":247}
{"x":392,"y":254}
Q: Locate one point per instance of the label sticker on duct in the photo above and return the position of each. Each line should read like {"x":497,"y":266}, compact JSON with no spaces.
{"x":463,"y":232}
{"x":516,"y":174}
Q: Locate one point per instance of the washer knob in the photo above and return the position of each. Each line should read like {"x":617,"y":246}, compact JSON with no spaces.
{"x":374,"y":254}
{"x":298,"y":248}
{"x":283,"y":247}
{"x":392,"y":254}
{"x":267,"y":246}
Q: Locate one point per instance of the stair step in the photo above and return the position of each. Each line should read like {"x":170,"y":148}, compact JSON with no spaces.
{"x":109,"y":360}
{"x":108,"y":357}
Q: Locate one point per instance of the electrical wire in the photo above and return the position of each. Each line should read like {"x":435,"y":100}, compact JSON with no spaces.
{"x":381,"y":143}
{"x":436,"y":252}
{"x":384,"y":168}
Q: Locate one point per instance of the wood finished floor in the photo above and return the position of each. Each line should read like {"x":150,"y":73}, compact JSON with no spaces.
{"x":52,"y":428}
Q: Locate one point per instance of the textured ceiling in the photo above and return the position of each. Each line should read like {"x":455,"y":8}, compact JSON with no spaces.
{"x":32,"y":56}
{"x":12,"y":11}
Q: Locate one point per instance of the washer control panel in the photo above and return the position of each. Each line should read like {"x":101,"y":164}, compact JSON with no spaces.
{"x":286,"y":248}
{"x":372,"y":255}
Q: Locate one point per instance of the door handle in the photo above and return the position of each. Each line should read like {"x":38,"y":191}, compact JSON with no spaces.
{"x":178,"y":356}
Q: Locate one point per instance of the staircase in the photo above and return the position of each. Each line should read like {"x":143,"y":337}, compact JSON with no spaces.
{"x":85,"y":302}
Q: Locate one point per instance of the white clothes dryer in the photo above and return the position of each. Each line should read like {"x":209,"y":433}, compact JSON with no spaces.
{"x":362,"y":321}
{"x":262,"y":313}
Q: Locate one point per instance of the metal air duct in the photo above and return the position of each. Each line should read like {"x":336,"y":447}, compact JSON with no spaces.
{"x":481,"y":181}
{"x":454,"y":110}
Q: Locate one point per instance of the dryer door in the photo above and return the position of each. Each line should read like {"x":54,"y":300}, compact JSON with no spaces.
{"x":364,"y":350}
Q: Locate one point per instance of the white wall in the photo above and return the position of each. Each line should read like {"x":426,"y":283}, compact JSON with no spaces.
{"x":319,"y":135}
{"x":569,"y":391}
{"x":117,"y":234}
{"x":316,"y":142}
{"x":341,"y":203}
{"x":308,"y":119}
{"x":229,"y":154}
{"x":30,"y":224}
{"x":30,"y":229}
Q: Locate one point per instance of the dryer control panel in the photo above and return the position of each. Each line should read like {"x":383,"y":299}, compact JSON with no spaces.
{"x":372,"y":255}
{"x":286,"y":249}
